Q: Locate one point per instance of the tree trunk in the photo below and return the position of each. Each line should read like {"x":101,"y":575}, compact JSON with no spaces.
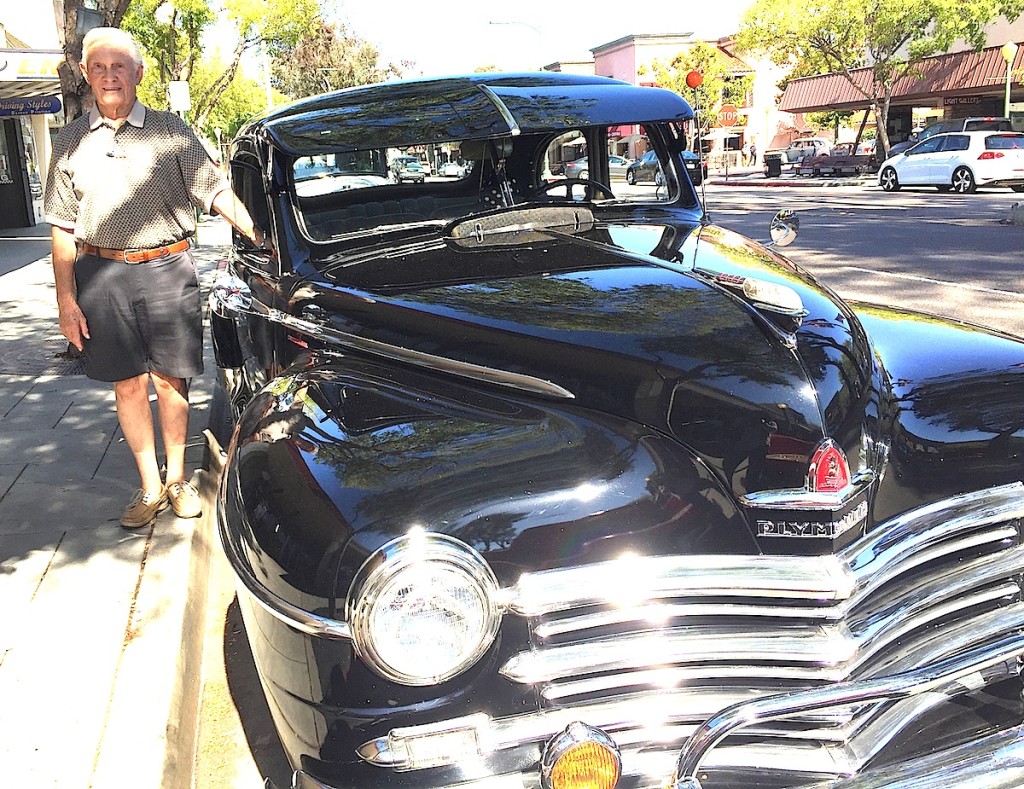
{"x":204,"y":106}
{"x":74,"y":88}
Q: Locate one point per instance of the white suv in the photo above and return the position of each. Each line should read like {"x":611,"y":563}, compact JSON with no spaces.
{"x":961,"y":161}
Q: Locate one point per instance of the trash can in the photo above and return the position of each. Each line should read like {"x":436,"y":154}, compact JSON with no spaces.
{"x":772,"y":165}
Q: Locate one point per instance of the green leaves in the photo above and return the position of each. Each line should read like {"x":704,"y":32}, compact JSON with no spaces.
{"x":889,"y":36}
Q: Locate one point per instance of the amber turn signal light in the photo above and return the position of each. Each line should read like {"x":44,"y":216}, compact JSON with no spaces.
{"x":581,"y":757}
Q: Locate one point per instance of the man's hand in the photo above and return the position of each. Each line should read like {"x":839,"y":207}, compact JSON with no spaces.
{"x":73,"y":324}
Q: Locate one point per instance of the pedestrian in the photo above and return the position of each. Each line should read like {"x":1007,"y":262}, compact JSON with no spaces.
{"x":753,"y":153}
{"x":123,"y":187}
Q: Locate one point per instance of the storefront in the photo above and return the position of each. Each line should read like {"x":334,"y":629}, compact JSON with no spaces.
{"x":29,"y":98}
{"x":954,"y":85}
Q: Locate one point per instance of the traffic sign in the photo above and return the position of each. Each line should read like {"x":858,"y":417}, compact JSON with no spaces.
{"x":728,"y":115}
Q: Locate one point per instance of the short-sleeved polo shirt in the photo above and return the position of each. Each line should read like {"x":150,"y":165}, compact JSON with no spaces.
{"x":131,"y":187}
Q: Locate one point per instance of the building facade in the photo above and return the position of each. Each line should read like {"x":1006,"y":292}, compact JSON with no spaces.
{"x":957,"y":84}
{"x":29,"y":101}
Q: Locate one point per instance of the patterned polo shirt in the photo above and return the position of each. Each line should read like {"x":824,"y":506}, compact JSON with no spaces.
{"x":133,"y":187}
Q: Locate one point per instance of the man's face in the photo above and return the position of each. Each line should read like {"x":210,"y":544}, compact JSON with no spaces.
{"x":113,"y":76}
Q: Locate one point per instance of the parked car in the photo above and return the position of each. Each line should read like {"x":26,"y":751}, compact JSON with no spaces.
{"x":807,"y":146}
{"x":646,"y":168}
{"x":323,"y":174}
{"x":579,"y":169}
{"x":951,"y":125}
{"x":414,"y":171}
{"x":400,"y":161}
{"x":961,"y":161}
{"x":695,"y":166}
{"x":533,"y":479}
{"x":452,"y":170}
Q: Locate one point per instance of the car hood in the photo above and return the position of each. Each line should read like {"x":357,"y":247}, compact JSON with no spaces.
{"x":643,"y":322}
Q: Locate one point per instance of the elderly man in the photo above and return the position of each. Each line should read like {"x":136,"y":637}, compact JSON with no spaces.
{"x":121,"y":196}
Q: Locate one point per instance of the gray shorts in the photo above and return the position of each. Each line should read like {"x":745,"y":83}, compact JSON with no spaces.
{"x":142,"y":317}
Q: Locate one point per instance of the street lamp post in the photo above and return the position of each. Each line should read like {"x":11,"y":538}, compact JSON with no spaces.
{"x":534,"y":28}
{"x":1009,"y":53}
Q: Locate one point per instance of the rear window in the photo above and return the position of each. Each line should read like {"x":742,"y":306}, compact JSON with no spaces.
{"x":989,"y":124}
{"x":1004,"y":141}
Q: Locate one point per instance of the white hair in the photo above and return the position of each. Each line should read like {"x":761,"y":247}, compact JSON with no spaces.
{"x":113,"y":36}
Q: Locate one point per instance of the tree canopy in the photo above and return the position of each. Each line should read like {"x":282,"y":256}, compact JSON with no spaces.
{"x":328,"y":57}
{"x":721,"y":84}
{"x":890,"y":37}
{"x":173,"y":34}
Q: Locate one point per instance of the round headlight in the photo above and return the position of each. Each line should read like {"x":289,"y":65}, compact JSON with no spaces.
{"x":422,"y":609}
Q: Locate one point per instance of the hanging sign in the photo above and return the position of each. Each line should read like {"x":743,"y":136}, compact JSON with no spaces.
{"x":40,"y":105}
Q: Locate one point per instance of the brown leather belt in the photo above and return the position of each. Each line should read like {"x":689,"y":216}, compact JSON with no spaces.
{"x":135,"y":255}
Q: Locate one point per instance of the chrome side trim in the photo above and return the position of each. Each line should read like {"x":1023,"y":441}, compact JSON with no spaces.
{"x":233,"y":297}
{"x":293,"y":616}
{"x":943,"y":676}
{"x":801,"y":498}
{"x":506,"y":113}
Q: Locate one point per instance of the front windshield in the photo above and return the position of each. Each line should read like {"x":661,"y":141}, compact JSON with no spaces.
{"x":365,"y":191}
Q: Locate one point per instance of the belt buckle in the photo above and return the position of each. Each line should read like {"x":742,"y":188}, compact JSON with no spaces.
{"x":136,"y":251}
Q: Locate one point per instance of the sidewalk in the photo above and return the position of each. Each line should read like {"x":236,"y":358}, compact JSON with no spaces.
{"x":100,"y":628}
{"x":754,"y":176}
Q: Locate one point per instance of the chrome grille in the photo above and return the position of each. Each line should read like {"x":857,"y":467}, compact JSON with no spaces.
{"x":642,"y":645}
{"x":648,"y":649}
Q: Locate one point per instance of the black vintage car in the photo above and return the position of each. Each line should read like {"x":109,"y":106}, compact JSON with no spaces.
{"x":537,"y":483}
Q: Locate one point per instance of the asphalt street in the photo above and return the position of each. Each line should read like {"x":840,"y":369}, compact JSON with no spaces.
{"x":947,"y":254}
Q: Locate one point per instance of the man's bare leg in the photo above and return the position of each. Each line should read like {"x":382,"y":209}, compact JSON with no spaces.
{"x":136,"y":418}
{"x":172,"y":410}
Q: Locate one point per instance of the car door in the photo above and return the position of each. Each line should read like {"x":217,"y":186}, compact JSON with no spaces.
{"x":914,"y":169}
{"x":947,"y":158}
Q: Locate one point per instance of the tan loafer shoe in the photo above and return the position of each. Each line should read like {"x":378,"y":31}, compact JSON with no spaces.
{"x":185,"y":500}
{"x":143,"y":509}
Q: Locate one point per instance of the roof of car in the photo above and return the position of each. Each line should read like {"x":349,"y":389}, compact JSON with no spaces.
{"x":475,"y":106}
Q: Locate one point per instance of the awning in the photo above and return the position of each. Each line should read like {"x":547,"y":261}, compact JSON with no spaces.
{"x":956,"y":73}
{"x":29,"y":73}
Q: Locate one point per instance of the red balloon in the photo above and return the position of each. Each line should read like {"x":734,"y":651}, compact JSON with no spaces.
{"x":694,"y":79}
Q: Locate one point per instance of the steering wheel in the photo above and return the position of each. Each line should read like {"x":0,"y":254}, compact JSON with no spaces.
{"x":569,"y":183}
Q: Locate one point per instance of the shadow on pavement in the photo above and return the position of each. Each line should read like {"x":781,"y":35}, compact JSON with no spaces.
{"x":247,"y":694}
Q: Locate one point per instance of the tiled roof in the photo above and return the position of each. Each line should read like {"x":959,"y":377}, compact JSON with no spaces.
{"x":958,"y":72}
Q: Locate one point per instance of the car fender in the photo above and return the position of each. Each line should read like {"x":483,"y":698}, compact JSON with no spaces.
{"x":954,"y":415}
{"x":352,"y":453}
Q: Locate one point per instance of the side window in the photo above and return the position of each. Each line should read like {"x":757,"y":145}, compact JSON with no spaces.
{"x":956,"y":142}
{"x":931,"y":145}
{"x":247,"y":182}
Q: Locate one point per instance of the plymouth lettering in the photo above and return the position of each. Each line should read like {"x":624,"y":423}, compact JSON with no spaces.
{"x":814,"y":528}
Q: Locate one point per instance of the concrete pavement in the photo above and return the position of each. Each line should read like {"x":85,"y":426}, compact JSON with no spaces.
{"x":754,"y":176}
{"x":101,"y":629}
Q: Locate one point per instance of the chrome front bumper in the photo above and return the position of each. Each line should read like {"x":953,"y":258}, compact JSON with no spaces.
{"x":997,"y":759}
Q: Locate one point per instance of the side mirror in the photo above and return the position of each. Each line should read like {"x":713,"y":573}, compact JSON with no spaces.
{"x":784,"y":227}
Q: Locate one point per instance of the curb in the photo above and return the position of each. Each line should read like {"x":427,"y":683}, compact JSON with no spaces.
{"x":796,"y":181}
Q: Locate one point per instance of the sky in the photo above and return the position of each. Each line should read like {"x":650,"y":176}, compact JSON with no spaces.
{"x":458,"y":36}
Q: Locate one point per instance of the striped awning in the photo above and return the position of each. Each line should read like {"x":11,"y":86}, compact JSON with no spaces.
{"x":956,"y":73}
{"x":29,"y":73}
